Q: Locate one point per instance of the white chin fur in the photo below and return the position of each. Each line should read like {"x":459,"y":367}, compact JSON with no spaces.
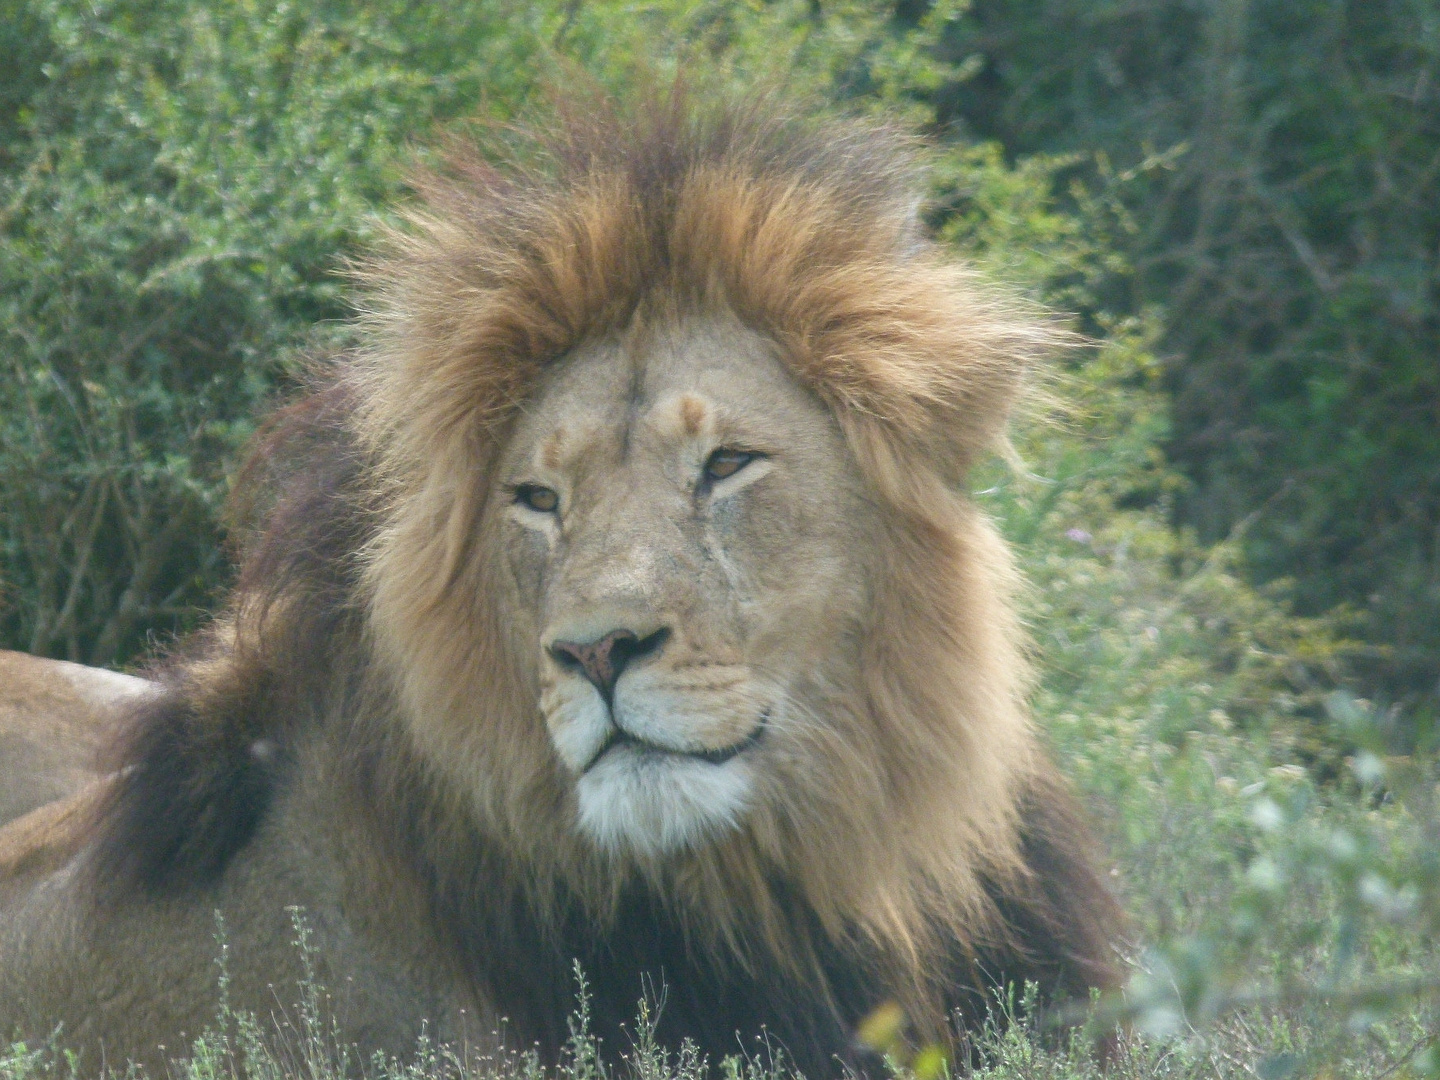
{"x":645,"y":803}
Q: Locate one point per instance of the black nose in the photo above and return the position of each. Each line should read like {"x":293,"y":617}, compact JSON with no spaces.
{"x":601,"y":661}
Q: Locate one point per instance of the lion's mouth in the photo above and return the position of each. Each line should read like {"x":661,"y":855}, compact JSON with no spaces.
{"x":619,"y":737}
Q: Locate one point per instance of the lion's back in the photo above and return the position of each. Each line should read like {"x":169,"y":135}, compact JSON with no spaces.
{"x":54,"y":719}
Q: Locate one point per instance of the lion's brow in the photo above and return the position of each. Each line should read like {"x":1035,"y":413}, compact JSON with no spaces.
{"x":634,"y":400}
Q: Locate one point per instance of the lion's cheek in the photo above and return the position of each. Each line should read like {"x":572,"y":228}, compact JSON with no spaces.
{"x":527,"y":553}
{"x":577,"y":721}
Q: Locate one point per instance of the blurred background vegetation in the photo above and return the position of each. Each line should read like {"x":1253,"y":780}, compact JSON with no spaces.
{"x":1232,"y":526}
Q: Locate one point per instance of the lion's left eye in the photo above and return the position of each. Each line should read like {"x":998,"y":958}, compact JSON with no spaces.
{"x":727,"y":462}
{"x":540,"y":499}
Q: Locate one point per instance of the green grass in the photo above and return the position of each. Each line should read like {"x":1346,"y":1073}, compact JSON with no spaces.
{"x":1278,"y":858}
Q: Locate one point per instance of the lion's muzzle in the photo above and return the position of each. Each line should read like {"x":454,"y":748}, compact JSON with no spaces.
{"x":655,"y":734}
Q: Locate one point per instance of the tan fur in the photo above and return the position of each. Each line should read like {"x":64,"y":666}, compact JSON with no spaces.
{"x":54,"y":718}
{"x":692,"y":414}
{"x":41,"y":842}
{"x":609,"y":318}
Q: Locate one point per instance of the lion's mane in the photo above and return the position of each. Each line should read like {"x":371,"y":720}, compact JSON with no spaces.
{"x":948,"y":858}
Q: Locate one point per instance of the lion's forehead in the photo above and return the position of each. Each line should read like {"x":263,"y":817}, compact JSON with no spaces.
{"x":695,"y":381}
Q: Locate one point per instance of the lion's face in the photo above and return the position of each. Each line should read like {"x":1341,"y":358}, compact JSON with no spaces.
{"x":687,"y":537}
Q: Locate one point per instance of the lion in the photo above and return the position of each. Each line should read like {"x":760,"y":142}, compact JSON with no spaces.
{"x":54,"y":718}
{"x":617,"y":602}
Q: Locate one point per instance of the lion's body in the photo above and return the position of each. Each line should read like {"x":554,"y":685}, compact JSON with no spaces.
{"x":619,"y":603}
{"x":54,"y":719}
{"x":138,"y":976}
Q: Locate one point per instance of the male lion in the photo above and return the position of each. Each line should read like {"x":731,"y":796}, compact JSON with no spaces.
{"x":618,"y":601}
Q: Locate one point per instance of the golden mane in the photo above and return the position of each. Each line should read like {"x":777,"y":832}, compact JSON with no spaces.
{"x":807,"y":232}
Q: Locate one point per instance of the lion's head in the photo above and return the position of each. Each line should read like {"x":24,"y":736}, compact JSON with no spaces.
{"x":678,"y":573}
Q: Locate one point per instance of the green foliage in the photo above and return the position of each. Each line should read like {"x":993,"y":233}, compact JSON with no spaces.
{"x":1280,"y":162}
{"x":1277,"y":857}
{"x":181,"y":184}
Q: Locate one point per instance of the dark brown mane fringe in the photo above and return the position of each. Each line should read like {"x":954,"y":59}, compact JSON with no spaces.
{"x":199,"y":762}
{"x":1060,"y":934}
{"x":1064,"y":922}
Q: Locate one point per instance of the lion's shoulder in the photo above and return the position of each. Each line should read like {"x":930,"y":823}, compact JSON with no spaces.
{"x":45,"y":839}
{"x":54,"y":718}
{"x":35,"y":681}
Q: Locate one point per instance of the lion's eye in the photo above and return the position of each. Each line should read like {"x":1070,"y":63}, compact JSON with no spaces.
{"x":727,"y":462}
{"x":541,"y":499}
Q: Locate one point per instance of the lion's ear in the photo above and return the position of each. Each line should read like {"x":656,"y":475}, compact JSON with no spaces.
{"x":924,"y":363}
{"x":921,"y":471}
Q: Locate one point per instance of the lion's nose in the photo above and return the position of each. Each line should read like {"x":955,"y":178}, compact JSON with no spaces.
{"x":601,"y":661}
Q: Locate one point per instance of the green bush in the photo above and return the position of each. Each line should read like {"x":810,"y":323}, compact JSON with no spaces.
{"x":1279,"y":162}
{"x":181,"y":185}
{"x":1276,"y":855}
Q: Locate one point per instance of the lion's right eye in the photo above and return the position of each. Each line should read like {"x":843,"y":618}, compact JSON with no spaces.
{"x":540,"y":499}
{"x":726,"y":462}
